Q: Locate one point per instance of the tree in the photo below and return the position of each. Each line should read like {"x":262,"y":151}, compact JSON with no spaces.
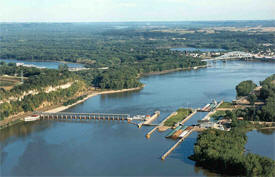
{"x":245,"y":87}
{"x":252,"y":98}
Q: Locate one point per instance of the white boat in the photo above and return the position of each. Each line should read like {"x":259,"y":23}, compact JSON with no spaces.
{"x":32,"y":118}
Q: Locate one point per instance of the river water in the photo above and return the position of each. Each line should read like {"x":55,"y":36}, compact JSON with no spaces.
{"x":79,"y":148}
{"x":46,"y":64}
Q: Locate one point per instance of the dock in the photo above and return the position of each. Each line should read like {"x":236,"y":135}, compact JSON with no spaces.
{"x":189,"y":117}
{"x":175,"y":145}
{"x":149,"y":120}
{"x":148,"y":135}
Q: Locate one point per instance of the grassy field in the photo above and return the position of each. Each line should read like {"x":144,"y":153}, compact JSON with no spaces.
{"x":8,"y":82}
{"x":182,"y":114}
{"x":226,"y":105}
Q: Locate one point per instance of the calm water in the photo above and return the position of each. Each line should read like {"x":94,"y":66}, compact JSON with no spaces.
{"x":47,"y":64}
{"x":116,"y":148}
{"x":262,"y":142}
{"x":198,"y":49}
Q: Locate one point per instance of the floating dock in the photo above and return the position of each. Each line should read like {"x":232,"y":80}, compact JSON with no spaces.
{"x":148,"y":135}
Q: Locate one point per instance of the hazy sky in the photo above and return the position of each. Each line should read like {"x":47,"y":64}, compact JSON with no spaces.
{"x":134,"y":10}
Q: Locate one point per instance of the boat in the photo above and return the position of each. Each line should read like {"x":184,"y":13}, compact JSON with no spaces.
{"x":33,"y":117}
{"x":173,"y":131}
{"x":209,"y":107}
{"x":176,"y":134}
{"x":205,"y":108}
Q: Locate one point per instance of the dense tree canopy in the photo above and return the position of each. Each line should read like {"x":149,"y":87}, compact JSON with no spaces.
{"x":245,"y":87}
{"x":223,"y":151}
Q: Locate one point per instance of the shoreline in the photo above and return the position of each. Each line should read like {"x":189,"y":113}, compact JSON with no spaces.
{"x":173,"y":70}
{"x":13,"y":121}
{"x":62,"y":108}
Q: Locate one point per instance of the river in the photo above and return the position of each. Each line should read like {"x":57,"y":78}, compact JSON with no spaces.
{"x":59,"y":148}
{"x":46,"y":64}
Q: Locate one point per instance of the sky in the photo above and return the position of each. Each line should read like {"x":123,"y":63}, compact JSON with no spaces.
{"x":134,"y":10}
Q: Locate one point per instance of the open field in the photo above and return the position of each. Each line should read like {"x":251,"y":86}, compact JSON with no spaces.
{"x":8,"y":82}
{"x":226,"y":105}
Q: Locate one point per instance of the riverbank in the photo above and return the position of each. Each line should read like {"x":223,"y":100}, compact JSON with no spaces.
{"x":172,"y":70}
{"x":19,"y":117}
{"x":62,"y":108}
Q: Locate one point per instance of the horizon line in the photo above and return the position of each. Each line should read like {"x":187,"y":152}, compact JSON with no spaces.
{"x":137,"y":21}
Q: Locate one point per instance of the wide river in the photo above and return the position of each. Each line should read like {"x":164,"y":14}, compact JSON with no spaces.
{"x":93,"y":148}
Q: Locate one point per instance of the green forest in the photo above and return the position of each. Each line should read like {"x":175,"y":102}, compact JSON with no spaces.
{"x":101,"y":45}
{"x":94,"y":45}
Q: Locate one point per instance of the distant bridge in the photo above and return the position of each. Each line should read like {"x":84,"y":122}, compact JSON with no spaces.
{"x":82,"y":116}
{"x":232,"y":55}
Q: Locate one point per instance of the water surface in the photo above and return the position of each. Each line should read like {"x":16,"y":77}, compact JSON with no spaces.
{"x":46,"y":64}
{"x":261,"y":142}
